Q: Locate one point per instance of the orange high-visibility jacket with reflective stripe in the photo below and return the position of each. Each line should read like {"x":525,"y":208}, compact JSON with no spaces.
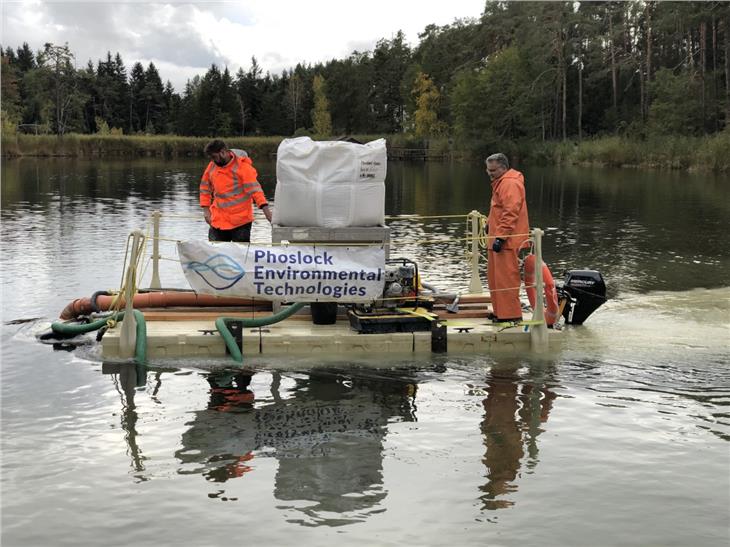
{"x":508,"y":210}
{"x":229,"y":192}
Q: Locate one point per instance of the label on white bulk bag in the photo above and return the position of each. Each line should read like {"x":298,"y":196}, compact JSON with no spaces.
{"x":372,"y":170}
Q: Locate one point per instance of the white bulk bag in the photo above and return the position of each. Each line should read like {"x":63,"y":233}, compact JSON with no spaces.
{"x":332,"y":184}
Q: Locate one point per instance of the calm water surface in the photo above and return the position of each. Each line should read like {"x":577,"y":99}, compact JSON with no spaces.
{"x":619,"y":438}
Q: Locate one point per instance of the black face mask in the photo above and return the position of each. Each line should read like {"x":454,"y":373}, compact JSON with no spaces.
{"x":221,"y":163}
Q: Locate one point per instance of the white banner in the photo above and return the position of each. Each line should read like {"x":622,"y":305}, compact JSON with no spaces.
{"x":295,"y":273}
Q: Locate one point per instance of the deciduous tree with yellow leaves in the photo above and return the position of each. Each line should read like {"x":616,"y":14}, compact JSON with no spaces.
{"x":427,"y":103}
{"x":321,"y":118}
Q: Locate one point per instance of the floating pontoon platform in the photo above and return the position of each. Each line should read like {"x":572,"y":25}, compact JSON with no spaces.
{"x":172,"y":334}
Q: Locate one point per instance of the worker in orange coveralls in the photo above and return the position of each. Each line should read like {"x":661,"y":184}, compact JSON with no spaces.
{"x":227,"y":189}
{"x":508,"y":226}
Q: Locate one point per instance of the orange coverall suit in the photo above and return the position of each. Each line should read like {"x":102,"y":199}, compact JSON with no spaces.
{"x":507,"y":217}
{"x":228,"y":192}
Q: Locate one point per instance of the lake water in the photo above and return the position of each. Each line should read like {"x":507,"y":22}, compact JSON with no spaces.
{"x":620,"y":437}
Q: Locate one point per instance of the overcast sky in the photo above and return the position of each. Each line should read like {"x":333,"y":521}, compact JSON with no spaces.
{"x":184,"y":39}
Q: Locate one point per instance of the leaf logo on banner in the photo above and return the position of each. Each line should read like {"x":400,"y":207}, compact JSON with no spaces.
{"x":219,"y":271}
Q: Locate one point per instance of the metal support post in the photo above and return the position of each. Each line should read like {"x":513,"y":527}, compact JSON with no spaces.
{"x":539,"y":332}
{"x":475,"y":283}
{"x":155,"y":283}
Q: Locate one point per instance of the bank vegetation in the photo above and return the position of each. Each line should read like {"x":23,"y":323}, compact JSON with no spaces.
{"x":643,"y":83}
{"x":709,"y":153}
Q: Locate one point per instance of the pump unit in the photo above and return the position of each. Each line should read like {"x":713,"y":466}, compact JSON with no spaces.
{"x":400,"y":308}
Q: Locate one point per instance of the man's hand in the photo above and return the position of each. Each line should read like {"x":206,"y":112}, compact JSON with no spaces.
{"x":267,"y":212}
{"x":206,"y":214}
{"x":498,"y":244}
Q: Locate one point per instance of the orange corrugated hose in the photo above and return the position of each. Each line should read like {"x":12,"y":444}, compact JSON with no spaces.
{"x":162,"y":299}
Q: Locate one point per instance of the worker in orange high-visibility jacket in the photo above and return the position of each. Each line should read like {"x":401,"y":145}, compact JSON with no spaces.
{"x":228,"y":189}
{"x":508,"y":228}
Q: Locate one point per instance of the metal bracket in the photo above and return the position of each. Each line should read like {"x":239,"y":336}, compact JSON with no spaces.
{"x":438,"y":338}
{"x":236,"y":328}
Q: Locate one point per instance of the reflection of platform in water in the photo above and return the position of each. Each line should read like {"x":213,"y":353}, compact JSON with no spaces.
{"x":327,"y":437}
{"x":193,"y":333}
{"x":327,"y":430}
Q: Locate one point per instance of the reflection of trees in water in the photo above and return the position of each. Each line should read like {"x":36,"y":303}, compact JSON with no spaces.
{"x":514,"y":410}
{"x":327,"y":434}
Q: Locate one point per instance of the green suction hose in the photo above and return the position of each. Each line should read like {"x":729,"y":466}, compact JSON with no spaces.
{"x":140,"y":349}
{"x":73,"y":329}
{"x":140,"y":353}
{"x":229,"y":339}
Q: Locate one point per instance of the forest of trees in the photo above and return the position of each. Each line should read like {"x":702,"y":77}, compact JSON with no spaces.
{"x":539,"y":71}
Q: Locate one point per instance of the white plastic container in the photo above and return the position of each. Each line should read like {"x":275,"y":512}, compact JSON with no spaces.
{"x":331,"y":184}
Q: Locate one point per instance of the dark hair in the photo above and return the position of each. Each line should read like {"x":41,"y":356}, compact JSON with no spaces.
{"x":214,"y":146}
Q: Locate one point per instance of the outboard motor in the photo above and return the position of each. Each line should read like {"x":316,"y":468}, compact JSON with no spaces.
{"x":584,"y":292}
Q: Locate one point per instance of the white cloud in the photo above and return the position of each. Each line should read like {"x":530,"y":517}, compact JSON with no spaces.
{"x":184,"y":39}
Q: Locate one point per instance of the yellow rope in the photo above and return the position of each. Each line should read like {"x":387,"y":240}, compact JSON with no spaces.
{"x":480,"y":236}
{"x":174,"y":215}
{"x":124,"y":266}
{"x":419,"y":312}
{"x":461,"y":324}
{"x":141,"y":254}
{"x":146,"y":265}
{"x":141,"y":250}
{"x":387,"y":217}
{"x":416,"y":217}
{"x":445,"y":239}
{"x":116,"y":303}
{"x":420,"y":297}
{"x":505,"y":236}
{"x":507,"y":324}
{"x":511,"y":288}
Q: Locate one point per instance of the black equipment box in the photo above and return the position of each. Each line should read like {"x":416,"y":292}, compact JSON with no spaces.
{"x":381,"y":321}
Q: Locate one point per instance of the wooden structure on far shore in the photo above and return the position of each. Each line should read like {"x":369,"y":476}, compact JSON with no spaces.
{"x":415,"y":154}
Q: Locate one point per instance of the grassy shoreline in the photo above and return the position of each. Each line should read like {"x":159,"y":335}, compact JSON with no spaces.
{"x":710,"y":153}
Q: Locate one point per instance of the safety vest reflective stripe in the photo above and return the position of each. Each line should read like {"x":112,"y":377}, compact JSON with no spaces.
{"x":205,"y":186}
{"x":255,"y":186}
{"x":234,"y":174}
{"x":231,"y":203}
